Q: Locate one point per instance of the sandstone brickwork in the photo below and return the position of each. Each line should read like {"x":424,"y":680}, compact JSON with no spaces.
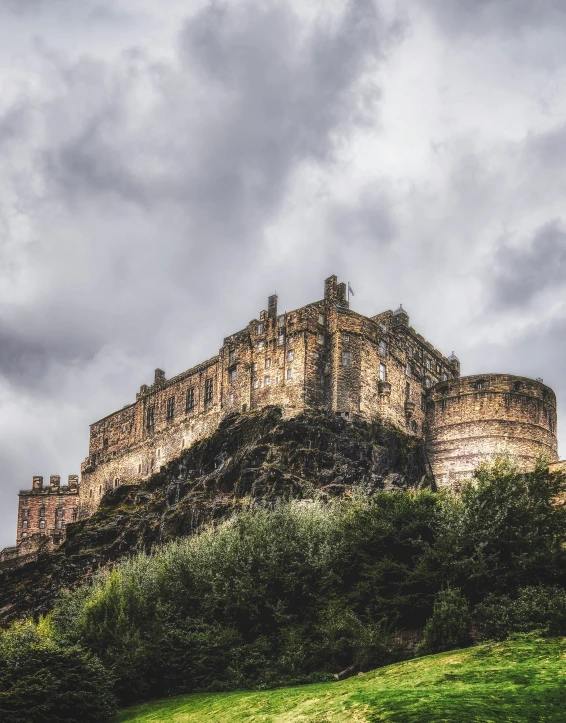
{"x":471,"y":419}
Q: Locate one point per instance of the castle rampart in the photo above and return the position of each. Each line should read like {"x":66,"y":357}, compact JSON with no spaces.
{"x":470,"y":419}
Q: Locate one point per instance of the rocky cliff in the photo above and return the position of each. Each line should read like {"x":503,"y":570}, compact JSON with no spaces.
{"x":257,"y":457}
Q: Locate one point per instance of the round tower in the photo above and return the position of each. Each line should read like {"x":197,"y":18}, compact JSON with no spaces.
{"x":472,"y":419}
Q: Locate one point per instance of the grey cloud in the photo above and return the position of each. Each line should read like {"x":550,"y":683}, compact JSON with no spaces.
{"x":369,"y":221}
{"x":521,"y":274}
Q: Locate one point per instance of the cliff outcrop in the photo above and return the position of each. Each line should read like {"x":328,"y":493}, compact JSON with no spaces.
{"x":254,"y":458}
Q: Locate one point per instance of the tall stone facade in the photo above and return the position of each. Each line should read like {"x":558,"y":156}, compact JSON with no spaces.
{"x":322,"y":355}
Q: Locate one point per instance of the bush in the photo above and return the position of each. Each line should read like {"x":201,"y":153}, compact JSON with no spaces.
{"x":534,"y":608}
{"x":450,"y":625}
{"x":42,"y":681}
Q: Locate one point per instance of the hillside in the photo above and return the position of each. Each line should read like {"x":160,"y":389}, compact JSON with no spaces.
{"x":522,"y":679}
{"x":258,"y":456}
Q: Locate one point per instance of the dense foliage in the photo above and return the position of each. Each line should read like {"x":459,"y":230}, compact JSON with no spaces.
{"x":43,"y":681}
{"x":300,"y":591}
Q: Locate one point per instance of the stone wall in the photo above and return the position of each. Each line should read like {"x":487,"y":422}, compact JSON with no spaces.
{"x":473,"y":418}
{"x":44,"y":511}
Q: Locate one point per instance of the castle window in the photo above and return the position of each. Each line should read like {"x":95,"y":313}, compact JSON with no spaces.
{"x":254,"y":367}
{"x":427,"y":382}
{"x":383,"y":327}
{"x":438,"y":368}
{"x":25,"y":524}
{"x":24,"y":535}
{"x":260,"y":345}
{"x":408,"y":370}
{"x":414,"y":426}
{"x":232,"y":356}
{"x":150,"y":418}
{"x":382,"y":348}
{"x":266,"y":381}
{"x":116,"y":482}
{"x":321,"y":318}
{"x":105,"y":442}
{"x":281,"y":321}
{"x":233,"y":374}
{"x":59,"y":524}
{"x":314,"y":355}
{"x":100,"y":490}
{"x":289,"y":373}
{"x":158,"y":454}
{"x":25,"y":500}
{"x":25,"y":513}
{"x":256,"y":383}
{"x":281,"y":339}
{"x":260,"y":328}
{"x":42,"y":512}
{"x":423,"y":402}
{"x":320,"y":339}
{"x":170,"y":408}
{"x":479,"y":385}
{"x":345,"y":337}
{"x":190,"y":399}
{"x":267,"y":363}
{"x":60,"y":512}
{"x":208,"y":391}
{"x":444,"y":377}
{"x":346,"y":358}
{"x":231,"y":398}
{"x":74,"y":516}
{"x":244,"y":408}
{"x":428,"y":364}
{"x":382,"y":372}
{"x":41,"y":524}
{"x":290,"y":355}
{"x":407,"y":390}
{"x":90,"y":494}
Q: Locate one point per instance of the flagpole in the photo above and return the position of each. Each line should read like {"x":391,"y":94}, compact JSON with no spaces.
{"x":348,"y":292}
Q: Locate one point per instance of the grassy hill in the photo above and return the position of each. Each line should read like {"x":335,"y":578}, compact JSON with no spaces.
{"x":522,"y":679}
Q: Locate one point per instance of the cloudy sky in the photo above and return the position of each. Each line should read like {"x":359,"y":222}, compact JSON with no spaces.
{"x":166,"y":165}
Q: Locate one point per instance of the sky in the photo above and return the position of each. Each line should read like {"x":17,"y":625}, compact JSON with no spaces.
{"x":166,"y":166}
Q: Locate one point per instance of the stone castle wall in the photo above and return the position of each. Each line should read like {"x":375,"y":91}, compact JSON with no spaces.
{"x":470,"y":419}
{"x":45,"y":511}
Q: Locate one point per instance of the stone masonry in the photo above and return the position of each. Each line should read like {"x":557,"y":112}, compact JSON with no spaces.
{"x":322,"y":355}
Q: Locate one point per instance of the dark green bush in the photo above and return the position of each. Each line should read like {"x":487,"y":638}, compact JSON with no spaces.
{"x":42,"y":681}
{"x":534,"y":608}
{"x":450,"y":625}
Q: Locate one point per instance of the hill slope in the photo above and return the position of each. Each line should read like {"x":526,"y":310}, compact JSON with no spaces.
{"x":258,"y":456}
{"x":523,"y":679}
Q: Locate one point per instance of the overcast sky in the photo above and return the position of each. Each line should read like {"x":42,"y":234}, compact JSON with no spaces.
{"x":166,"y":165}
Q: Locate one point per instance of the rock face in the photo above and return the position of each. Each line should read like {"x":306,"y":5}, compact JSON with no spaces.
{"x":257,"y":457}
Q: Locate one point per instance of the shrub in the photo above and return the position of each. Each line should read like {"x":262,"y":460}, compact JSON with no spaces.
{"x":450,"y":624}
{"x":534,"y":608}
{"x":42,"y":681}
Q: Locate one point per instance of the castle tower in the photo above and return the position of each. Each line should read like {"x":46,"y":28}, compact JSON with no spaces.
{"x":472,"y":419}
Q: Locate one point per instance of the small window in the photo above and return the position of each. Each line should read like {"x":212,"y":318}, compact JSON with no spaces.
{"x":281,"y":321}
{"x":25,"y":524}
{"x":290,"y":355}
{"x":411,"y":352}
{"x":383,"y":327}
{"x":139,"y":472}
{"x":281,"y":339}
{"x":408,"y":370}
{"x":320,"y":339}
{"x":208,"y":391}
{"x":100,"y":489}
{"x":266,"y":381}
{"x":256,"y":383}
{"x":427,"y":363}
{"x":254,"y":367}
{"x":444,"y":377}
{"x":267,"y":363}
{"x":260,"y":328}
{"x":158,"y":453}
{"x":170,"y":408}
{"x":289,"y":373}
{"x":105,"y":442}
{"x":345,"y":337}
{"x":233,"y":375}
{"x":260,"y":345}
{"x":414,"y":426}
{"x":190,"y":399}
{"x":423,"y":402}
{"x":346,"y":358}
{"x":382,"y":372}
{"x":321,"y":318}
{"x":25,"y":501}
{"x":60,"y":512}
{"x":59,"y":524}
{"x":407,"y":390}
{"x":42,"y":512}
{"x":427,"y":382}
{"x":90,"y":494}
{"x":314,"y":355}
{"x":116,"y":482}
{"x":231,"y":398}
{"x":41,"y":524}
{"x":438,"y":368}
{"x":244,"y":408}
{"x":382,"y":348}
{"x":150,"y":418}
{"x":25,"y":513}
{"x":232,"y":356}
{"x":24,"y":535}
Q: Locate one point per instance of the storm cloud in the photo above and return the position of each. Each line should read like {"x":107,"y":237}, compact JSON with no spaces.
{"x":163,"y":172}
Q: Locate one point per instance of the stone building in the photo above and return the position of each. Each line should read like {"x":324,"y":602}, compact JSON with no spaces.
{"x":323,"y":355}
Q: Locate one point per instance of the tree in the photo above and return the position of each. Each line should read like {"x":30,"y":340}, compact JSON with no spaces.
{"x":450,"y":624}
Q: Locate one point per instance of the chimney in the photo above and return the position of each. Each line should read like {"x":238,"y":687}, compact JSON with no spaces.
{"x":159,"y":376}
{"x":73,"y":481}
{"x":37,"y":483}
{"x":341,"y":293}
{"x":330,"y":288}
{"x":272,"y":306}
{"x":55,"y":481}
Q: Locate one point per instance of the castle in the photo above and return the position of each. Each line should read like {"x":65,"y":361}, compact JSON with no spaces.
{"x":323,"y":355}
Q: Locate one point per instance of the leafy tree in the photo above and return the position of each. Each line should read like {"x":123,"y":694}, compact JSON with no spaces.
{"x":450,"y":625}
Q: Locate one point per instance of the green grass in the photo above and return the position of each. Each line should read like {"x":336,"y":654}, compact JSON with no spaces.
{"x":523,"y":679}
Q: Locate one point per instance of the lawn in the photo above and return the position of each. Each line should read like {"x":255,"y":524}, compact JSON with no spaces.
{"x":523,"y":679}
